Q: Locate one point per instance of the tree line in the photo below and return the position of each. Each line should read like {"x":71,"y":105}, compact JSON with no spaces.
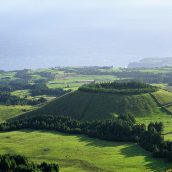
{"x":119,"y":87}
{"x":114,"y":129}
{"x":42,"y":89}
{"x":35,"y":90}
{"x":18,"y":163}
{"x":122,"y":128}
{"x":7,"y":99}
{"x":88,"y":70}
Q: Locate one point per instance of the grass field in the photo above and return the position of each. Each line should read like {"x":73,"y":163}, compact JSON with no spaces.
{"x":80,"y":153}
{"x":26,"y":94}
{"x":21,"y":93}
{"x":7,"y":112}
{"x":159,"y":117}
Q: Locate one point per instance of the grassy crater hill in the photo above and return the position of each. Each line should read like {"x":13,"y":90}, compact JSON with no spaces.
{"x":90,"y":105}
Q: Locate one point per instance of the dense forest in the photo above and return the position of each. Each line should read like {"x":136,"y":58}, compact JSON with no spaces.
{"x":18,"y":163}
{"x":122,"y":128}
{"x":42,"y":89}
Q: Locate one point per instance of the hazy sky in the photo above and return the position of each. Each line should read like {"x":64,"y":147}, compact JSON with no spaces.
{"x":43,"y":33}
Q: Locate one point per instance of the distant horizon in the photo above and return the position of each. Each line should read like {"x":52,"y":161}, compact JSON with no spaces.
{"x":61,"y":66}
{"x":49,"y":33}
{"x":53,"y":67}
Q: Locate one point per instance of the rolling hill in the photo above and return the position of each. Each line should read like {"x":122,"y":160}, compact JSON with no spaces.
{"x":85,"y":104}
{"x":90,"y":106}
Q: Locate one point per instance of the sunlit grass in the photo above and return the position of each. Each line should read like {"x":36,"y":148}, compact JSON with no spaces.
{"x":80,"y":153}
{"x":7,"y":112}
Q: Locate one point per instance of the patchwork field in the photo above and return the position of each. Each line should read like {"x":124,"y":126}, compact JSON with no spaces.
{"x":80,"y":153}
{"x":74,"y":81}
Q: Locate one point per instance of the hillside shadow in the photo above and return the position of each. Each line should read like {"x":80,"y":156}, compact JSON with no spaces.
{"x":96,"y":142}
{"x":81,"y":138}
{"x":153,"y":164}
{"x":45,"y":131}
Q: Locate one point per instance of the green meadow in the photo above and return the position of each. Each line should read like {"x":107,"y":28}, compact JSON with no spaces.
{"x":159,"y":117}
{"x":7,"y":112}
{"x":21,"y":93}
{"x":80,"y":153}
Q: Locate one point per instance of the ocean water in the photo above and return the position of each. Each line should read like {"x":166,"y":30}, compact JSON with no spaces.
{"x":47,"y":33}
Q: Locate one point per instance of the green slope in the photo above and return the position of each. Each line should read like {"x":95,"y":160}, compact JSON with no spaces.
{"x":163,"y":97}
{"x":80,"y":153}
{"x":90,"y":106}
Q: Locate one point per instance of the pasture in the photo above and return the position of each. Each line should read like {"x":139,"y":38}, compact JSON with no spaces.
{"x":7,"y":112}
{"x":80,"y":153}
